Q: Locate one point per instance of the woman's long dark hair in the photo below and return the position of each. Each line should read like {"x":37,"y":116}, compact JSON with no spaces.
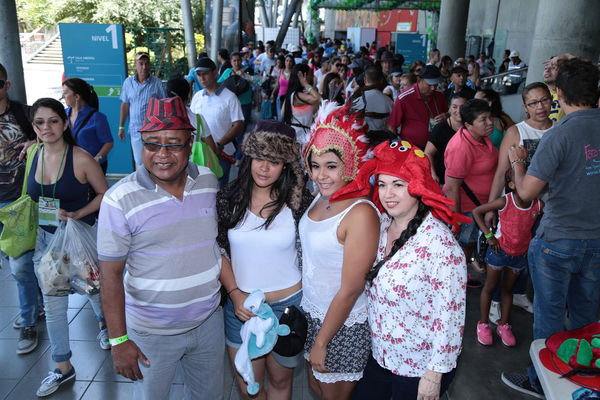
{"x":294,"y":87}
{"x":83,"y":89}
{"x":409,"y":232}
{"x":239,"y":193}
{"x":58,"y":108}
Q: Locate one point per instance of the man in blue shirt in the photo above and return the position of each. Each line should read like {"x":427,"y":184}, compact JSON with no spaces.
{"x":137,"y":91}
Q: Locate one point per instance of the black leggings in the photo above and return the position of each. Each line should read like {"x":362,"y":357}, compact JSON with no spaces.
{"x":380,"y":383}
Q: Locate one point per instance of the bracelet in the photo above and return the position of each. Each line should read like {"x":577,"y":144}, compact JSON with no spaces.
{"x":429,"y":380}
{"x":121,"y":128}
{"x":489,"y":235}
{"x":235,"y":288}
{"x":518,"y":160}
{"x":119,"y":340}
{"x":309,"y":89}
{"x":459,"y":223}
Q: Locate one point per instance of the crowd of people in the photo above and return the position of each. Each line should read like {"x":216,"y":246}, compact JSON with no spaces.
{"x":361,"y":198}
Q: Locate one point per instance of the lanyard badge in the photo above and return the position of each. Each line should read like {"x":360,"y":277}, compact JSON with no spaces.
{"x":48,"y":207}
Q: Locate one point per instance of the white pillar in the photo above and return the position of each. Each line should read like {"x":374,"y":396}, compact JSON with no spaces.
{"x":564,"y":27}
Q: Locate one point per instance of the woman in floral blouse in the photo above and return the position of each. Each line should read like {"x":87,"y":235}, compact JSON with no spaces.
{"x":416,"y":290}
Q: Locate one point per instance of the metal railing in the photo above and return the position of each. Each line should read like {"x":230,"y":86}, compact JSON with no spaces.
{"x":506,"y":82}
{"x":32,"y":42}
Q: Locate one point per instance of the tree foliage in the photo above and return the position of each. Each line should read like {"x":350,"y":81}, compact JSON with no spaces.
{"x":141,"y":13}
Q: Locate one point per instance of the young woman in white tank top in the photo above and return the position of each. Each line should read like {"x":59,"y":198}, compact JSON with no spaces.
{"x":258,"y":216}
{"x":339,"y":241}
{"x":537,"y":102}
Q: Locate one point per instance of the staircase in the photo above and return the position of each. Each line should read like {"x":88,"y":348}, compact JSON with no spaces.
{"x":50,"y":53}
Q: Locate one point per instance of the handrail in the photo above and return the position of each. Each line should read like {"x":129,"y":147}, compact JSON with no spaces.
{"x":38,"y":51}
{"x":512,"y":71}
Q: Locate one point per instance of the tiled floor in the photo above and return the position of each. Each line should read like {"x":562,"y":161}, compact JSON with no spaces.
{"x":477,"y":375}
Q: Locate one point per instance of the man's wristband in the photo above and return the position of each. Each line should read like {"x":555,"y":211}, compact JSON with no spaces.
{"x":519,"y":160}
{"x":119,"y":340}
{"x":121,"y":128}
{"x":489,"y":235}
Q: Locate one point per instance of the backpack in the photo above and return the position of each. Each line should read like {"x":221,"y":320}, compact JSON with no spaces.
{"x":236,"y":84}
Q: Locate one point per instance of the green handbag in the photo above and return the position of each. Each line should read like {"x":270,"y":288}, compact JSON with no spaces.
{"x":20,"y":218}
{"x":203,"y":155}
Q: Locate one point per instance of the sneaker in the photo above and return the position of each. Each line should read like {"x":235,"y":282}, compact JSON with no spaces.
{"x":18,"y":323}
{"x":103,"y":339}
{"x":54,"y":379}
{"x":522,"y":301}
{"x":484,"y":334}
{"x":520,"y":382}
{"x":505,"y":333}
{"x":494,"y":312}
{"x":28,"y":340}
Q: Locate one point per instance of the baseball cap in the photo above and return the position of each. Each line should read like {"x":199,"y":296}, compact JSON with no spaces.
{"x":141,"y":54}
{"x":514,"y":53}
{"x":396,"y":71}
{"x":431,"y":74}
{"x":458,"y":68}
{"x":205,"y":64}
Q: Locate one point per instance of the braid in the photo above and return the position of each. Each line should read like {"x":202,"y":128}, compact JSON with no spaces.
{"x":409,"y":232}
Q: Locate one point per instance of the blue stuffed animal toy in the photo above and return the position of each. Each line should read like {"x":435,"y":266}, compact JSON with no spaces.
{"x":259,"y":335}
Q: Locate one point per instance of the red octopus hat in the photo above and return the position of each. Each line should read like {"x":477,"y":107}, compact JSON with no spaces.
{"x":407,"y":162}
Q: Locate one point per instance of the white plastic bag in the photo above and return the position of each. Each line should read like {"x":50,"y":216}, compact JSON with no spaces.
{"x":82,"y":252}
{"x":53,"y":270}
{"x":70,"y":263}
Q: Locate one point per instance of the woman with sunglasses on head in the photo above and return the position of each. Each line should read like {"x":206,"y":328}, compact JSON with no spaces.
{"x":301,"y":103}
{"x":416,"y":290}
{"x":62,"y":173}
{"x":89,"y":126}
{"x":258,"y":217}
{"x":339,"y":235}
{"x":281,"y":91}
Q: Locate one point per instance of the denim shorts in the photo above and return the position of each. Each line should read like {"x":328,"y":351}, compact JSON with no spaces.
{"x":469,"y":233}
{"x":233,"y":325}
{"x":501,"y":259}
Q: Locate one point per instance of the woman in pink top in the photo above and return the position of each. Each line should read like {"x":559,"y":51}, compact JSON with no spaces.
{"x":281,"y":87}
{"x":470,"y":160}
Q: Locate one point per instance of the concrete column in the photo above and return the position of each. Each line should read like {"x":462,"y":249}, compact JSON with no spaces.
{"x":452,"y":28}
{"x":10,"y":56}
{"x":560,"y":27}
{"x":188,"y":29}
{"x":217,"y":24}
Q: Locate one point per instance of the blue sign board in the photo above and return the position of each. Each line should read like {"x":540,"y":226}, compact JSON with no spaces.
{"x":95,"y":53}
{"x":413,"y":46}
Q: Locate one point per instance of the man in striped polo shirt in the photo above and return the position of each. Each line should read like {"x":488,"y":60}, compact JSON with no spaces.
{"x":159,"y":225}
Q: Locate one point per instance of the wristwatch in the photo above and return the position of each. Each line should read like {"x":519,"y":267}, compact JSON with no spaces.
{"x":99,"y":157}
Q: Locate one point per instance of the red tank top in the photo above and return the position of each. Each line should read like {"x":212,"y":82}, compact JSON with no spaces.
{"x":515,"y":226}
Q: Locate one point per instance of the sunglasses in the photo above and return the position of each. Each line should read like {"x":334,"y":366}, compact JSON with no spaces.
{"x":170,"y":147}
{"x":2,"y":84}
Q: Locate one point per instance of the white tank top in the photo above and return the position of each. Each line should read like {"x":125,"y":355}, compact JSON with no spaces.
{"x":530,"y":137}
{"x":265,"y":259}
{"x":322,"y":261}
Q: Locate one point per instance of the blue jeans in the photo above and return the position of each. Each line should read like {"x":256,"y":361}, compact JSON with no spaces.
{"x":563,"y":272}
{"x":27,"y":285}
{"x":136,"y":147}
{"x":226,"y":166}
{"x":200,"y":351}
{"x":57,"y":323}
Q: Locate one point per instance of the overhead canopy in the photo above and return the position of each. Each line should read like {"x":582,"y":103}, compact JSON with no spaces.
{"x":377,"y":5}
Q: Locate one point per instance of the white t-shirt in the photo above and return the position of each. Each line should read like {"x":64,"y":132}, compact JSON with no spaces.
{"x":220,"y":110}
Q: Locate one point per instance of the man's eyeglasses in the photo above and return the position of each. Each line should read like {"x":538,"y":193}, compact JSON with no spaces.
{"x":170,"y":147}
{"x":338,"y":65}
{"x":2,"y":84}
{"x":545,"y":101}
